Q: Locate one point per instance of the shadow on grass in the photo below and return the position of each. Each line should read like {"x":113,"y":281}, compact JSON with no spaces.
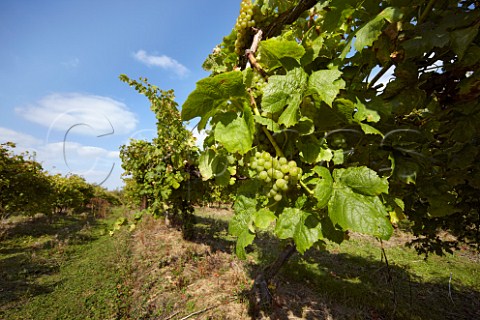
{"x":214,"y":233}
{"x":330,"y":285}
{"x":349,"y":286}
{"x":34,"y":248}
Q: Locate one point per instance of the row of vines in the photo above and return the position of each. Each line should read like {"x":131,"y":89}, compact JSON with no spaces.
{"x":27,"y":189}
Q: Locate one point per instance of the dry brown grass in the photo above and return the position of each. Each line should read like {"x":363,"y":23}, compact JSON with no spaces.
{"x":174,"y":278}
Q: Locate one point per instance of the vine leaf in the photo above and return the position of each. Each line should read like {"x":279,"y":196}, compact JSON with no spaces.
{"x":362,"y":180}
{"x":323,"y":189}
{"x":206,"y":164}
{"x":373,"y":29}
{"x":239,"y":226}
{"x":368,"y":129}
{"x":215,"y":165}
{"x":326,"y":84}
{"x":285,"y":90}
{"x":211,"y":93}
{"x":269,"y":123}
{"x":292,"y":223}
{"x":354,"y":204}
{"x":235,"y":132}
{"x":313,"y":150}
{"x":263,"y":218}
{"x":276,"y":52}
{"x":461,"y":39}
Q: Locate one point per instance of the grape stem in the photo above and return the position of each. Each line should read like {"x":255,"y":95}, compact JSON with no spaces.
{"x":307,"y":189}
{"x":265,"y":130}
{"x":250,"y":53}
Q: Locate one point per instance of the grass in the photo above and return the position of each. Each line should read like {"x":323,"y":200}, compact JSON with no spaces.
{"x":352,"y":280}
{"x":355,"y":280}
{"x":68,"y":268}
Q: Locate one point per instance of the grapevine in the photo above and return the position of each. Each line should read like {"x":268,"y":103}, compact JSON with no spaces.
{"x":312,"y":81}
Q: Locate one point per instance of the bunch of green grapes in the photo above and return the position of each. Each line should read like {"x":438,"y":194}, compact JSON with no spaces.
{"x":278,"y":173}
{"x":259,"y":81}
{"x":243,"y":25}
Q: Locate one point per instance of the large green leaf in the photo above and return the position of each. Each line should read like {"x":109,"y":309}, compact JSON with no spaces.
{"x":235,"y":132}
{"x":244,"y":239}
{"x":263,"y":218}
{"x":326,"y":84}
{"x":324,"y":187}
{"x":461,"y":39}
{"x":313,"y":150}
{"x":211,"y":93}
{"x":274,"y":51}
{"x":285,"y":90}
{"x":362,"y":180}
{"x":215,"y":165}
{"x":269,"y":123}
{"x":244,"y":208}
{"x":206,"y":164}
{"x":239,"y":226}
{"x":360,"y":213}
{"x":373,"y":29}
{"x":292,"y":224}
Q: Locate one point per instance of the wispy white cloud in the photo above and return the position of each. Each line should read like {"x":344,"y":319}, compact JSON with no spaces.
{"x":71,"y":64}
{"x":21,"y":139}
{"x":81,"y":113}
{"x":162,"y":61}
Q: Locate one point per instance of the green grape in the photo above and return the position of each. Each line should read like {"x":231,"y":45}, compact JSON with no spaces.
{"x":292,"y":164}
{"x":253,"y":165}
{"x":258,"y":155}
{"x":278,"y":175}
{"x":268,"y":180}
{"x":283,"y":161}
{"x":282,"y":184}
{"x":271,"y":172}
{"x":294,"y":172}
{"x":263,"y":175}
{"x":274,"y":187}
{"x":261,"y":162}
{"x":277,"y":197}
{"x":266,"y":156}
{"x":275,"y":163}
{"x":285,"y":168}
{"x":267,"y":164}
{"x":260,"y":168}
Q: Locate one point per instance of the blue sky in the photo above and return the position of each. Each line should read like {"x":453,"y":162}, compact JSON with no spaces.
{"x":59,"y":68}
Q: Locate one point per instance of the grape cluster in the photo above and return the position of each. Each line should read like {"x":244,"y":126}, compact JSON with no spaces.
{"x":259,"y":81}
{"x":244,"y":23}
{"x":278,"y":173}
